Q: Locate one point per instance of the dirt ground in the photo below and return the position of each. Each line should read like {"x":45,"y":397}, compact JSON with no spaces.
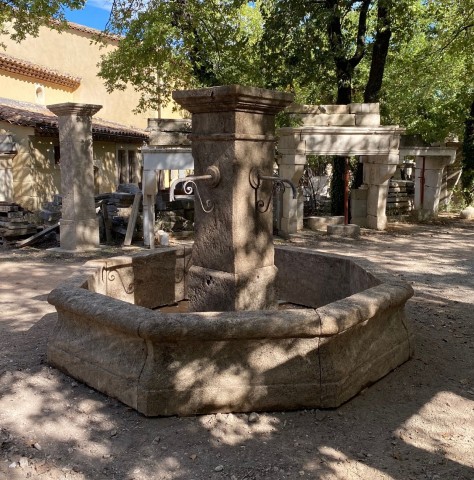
{"x":416,"y":423}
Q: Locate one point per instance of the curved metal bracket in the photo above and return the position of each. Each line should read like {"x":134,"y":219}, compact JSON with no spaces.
{"x":256,"y":178}
{"x":213,"y":176}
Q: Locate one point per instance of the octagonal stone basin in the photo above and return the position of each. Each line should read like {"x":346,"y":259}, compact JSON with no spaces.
{"x":352,"y":332}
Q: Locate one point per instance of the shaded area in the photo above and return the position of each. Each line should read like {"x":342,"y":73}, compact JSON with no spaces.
{"x":415,"y":423}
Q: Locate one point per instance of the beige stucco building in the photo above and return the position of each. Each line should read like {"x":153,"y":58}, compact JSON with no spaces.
{"x":58,"y":67}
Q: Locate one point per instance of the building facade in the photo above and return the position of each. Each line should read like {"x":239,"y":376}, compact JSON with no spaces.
{"x":59,"y":67}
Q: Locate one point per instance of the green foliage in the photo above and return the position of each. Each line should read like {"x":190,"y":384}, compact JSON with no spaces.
{"x":19,"y":18}
{"x":169,"y":45}
{"x":428,"y":87}
{"x":309,"y":47}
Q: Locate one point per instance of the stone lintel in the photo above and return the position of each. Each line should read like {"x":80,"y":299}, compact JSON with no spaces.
{"x":71,"y":108}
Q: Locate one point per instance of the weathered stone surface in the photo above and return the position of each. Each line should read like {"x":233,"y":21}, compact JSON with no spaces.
{"x":350,"y":230}
{"x":363,"y":354}
{"x":167,"y":364}
{"x":6,"y":177}
{"x":467,"y":213}
{"x":367,"y":120}
{"x":321,"y":223}
{"x":364,"y":108}
{"x":215,"y":290}
{"x":315,"y":279}
{"x":79,"y":228}
{"x":232,"y":129}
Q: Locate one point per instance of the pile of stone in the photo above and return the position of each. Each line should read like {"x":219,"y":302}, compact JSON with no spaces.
{"x":175,"y":217}
{"x":124,"y":196}
{"x":50,"y":212}
{"x":401,"y":197}
{"x":14,"y":221}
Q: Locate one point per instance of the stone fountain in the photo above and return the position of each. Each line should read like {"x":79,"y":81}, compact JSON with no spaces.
{"x":343,"y":324}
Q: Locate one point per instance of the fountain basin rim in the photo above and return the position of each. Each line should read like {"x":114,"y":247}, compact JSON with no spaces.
{"x":327,"y":320}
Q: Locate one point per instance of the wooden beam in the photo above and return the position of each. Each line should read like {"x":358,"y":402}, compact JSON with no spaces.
{"x":36,"y":236}
{"x":133,"y":219}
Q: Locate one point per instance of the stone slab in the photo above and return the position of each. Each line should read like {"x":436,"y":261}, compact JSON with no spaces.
{"x":321,"y":223}
{"x":350,"y":230}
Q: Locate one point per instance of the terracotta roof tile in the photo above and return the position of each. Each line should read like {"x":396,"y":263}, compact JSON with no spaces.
{"x":46,"y":123}
{"x":28,"y":69}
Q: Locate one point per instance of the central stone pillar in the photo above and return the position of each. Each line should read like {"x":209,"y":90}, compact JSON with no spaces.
{"x":233,"y":259}
{"x":79,"y":228}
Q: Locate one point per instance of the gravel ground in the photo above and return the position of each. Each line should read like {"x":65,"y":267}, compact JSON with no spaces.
{"x":416,"y":423}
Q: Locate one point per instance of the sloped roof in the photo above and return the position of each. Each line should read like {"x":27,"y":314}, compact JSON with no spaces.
{"x":92,"y":31}
{"x":40,"y":72}
{"x":45,"y":123}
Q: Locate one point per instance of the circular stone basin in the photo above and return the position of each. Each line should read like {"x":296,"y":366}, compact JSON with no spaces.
{"x":353,"y":332}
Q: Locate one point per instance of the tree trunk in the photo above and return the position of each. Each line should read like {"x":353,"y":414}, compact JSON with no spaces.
{"x":345,"y":66}
{"x":468,"y":159}
{"x":379,"y":56}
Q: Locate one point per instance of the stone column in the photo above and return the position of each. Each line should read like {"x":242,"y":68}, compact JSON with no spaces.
{"x":233,"y":129}
{"x":378,"y":169}
{"x":79,"y":227}
{"x":291,"y":167}
{"x":428,"y":183}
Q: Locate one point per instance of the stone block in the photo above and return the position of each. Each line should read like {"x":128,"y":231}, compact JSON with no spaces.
{"x":361,"y":221}
{"x":288,"y":225}
{"x":319,"y":109}
{"x":350,"y":230}
{"x":467,"y":213}
{"x":321,"y":223}
{"x":377,"y":222}
{"x":169,"y":139}
{"x":169,"y":125}
{"x":323,"y":119}
{"x":367,"y":120}
{"x":364,"y":108}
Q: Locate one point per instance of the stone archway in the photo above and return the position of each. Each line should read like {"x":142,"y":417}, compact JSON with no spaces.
{"x":340,"y":130}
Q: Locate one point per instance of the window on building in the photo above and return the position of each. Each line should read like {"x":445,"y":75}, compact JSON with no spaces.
{"x":127,"y":163}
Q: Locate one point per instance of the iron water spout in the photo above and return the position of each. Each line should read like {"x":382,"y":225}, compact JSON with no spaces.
{"x":212,"y":176}
{"x":278,"y":180}
{"x":279,"y":183}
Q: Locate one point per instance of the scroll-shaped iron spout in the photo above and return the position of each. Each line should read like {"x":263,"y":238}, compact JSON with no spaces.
{"x":279,"y":183}
{"x":212,"y":176}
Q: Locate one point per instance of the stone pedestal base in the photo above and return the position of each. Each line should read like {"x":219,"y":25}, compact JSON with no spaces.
{"x":79,"y":235}
{"x":212,"y":290}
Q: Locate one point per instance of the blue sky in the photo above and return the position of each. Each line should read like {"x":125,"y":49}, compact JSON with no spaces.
{"x":95,"y":14}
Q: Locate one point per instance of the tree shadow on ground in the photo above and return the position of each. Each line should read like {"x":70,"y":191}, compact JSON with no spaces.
{"x":412,"y":424}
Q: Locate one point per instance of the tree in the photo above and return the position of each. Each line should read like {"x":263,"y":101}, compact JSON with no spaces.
{"x":428,"y":82}
{"x":19,"y":18}
{"x":167,"y":45}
